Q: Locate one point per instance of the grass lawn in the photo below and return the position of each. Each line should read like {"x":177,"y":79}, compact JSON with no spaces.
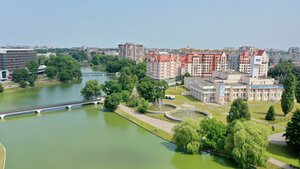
{"x":2,"y":155}
{"x":257,"y":109}
{"x":159,"y":116}
{"x":283,"y":154}
{"x":162,"y":134}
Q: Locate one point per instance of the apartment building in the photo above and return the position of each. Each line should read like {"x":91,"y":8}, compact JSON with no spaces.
{"x":164,"y":66}
{"x":13,"y":59}
{"x":202,"y":65}
{"x":132,"y":51}
{"x":246,"y":58}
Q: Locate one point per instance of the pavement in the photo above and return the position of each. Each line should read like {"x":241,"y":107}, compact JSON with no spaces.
{"x":162,"y":125}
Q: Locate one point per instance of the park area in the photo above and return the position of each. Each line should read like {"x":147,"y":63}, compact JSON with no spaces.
{"x":258,"y":112}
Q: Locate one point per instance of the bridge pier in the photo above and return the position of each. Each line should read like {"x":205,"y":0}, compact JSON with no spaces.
{"x":69,"y":107}
{"x":2,"y":116}
{"x":38,"y":111}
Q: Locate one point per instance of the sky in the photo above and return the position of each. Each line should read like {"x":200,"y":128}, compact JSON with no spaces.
{"x":155,"y":23}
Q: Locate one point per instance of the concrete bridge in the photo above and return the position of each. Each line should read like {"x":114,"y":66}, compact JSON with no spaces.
{"x":97,"y":74}
{"x":53,"y":107}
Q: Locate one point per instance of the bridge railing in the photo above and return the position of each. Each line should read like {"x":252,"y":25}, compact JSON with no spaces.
{"x":47,"y":106}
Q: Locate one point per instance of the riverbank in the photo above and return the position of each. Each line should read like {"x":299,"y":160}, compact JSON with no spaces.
{"x":163,"y":129}
{"x":10,"y":86}
{"x":2,"y":156}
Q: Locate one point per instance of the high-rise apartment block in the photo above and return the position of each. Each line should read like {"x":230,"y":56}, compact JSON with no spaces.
{"x":164,"y":66}
{"x":204,"y":64}
{"x":259,"y":57}
{"x":13,"y":59}
{"x":132,"y":51}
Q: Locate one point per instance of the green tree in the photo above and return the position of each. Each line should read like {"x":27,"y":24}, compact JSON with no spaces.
{"x":125,"y":95}
{"x":142,"y":106}
{"x":270,"y":116}
{"x":287,"y":98}
{"x":51,"y":72}
{"x":239,"y":110}
{"x":20,"y":75}
{"x":23,"y":84}
{"x":1,"y":88}
{"x":293,"y":132}
{"x":67,"y":68}
{"x":297,"y":92}
{"x":91,"y":90}
{"x":185,"y":133}
{"x":42,"y":59}
{"x":112,"y":86}
{"x":152,"y":90}
{"x":32,"y":67}
{"x":213,"y":134}
{"x":112,"y":101}
{"x":246,"y":143}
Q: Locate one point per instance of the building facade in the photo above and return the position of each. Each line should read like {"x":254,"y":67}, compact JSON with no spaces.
{"x":227,"y":86}
{"x":132,"y":51}
{"x":13,"y":59}
{"x":164,"y":66}
{"x":261,"y":59}
{"x":202,"y":65}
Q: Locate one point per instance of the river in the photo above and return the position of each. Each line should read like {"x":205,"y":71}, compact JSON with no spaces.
{"x":85,"y":138}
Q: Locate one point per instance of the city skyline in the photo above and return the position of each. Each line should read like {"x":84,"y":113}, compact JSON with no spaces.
{"x":167,"y":24}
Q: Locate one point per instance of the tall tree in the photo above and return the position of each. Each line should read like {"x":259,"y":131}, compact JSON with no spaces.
{"x":1,"y":88}
{"x":185,"y":133}
{"x":297,"y":92}
{"x":19,"y":75}
{"x":112,"y":101}
{"x":246,"y":143}
{"x":293,"y":132}
{"x":213,"y":134}
{"x":239,"y":110}
{"x":288,"y":94}
{"x":270,"y":116}
{"x":91,"y":90}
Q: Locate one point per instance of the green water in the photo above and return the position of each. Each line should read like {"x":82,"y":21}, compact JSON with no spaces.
{"x":84,"y":138}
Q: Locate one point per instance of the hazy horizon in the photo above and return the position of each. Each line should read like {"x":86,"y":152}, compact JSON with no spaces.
{"x":155,"y":24}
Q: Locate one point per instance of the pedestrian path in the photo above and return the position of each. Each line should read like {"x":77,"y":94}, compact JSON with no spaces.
{"x":160,"y":124}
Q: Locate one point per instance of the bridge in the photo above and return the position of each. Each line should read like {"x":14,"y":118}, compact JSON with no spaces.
{"x":52,"y":107}
{"x":97,"y":74}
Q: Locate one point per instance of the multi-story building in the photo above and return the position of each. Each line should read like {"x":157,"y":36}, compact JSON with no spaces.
{"x":204,"y":64}
{"x":293,"y":50}
{"x":13,"y":59}
{"x":246,"y":58}
{"x":132,"y":51}
{"x":226,"y":86}
{"x":164,"y":66}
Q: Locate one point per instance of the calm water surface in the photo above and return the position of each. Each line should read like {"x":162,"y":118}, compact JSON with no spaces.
{"x":84,"y":138}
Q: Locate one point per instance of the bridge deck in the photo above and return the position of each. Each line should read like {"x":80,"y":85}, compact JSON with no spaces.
{"x":51,"y":106}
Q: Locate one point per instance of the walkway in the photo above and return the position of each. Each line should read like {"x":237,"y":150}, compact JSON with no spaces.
{"x":162,"y":125}
{"x":2,"y":156}
{"x":279,"y":163}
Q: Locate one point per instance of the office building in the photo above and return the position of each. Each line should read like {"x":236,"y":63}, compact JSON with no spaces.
{"x":13,"y":59}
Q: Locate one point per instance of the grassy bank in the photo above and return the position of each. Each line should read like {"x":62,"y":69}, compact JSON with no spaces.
{"x":160,"y":133}
{"x":2,"y":156}
{"x":282,"y":153}
{"x":41,"y":81}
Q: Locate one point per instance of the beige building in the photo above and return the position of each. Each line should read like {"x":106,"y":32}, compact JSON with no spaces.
{"x":226,"y":86}
{"x":164,"y":66}
{"x":259,"y":58}
{"x":132,"y":51}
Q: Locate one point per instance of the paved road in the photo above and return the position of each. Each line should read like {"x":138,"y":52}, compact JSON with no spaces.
{"x":277,"y":138}
{"x":279,"y":163}
{"x":163,"y":125}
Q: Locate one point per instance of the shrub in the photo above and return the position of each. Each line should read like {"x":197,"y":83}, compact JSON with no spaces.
{"x":143,"y":106}
{"x":193,"y":147}
{"x":23,"y":84}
